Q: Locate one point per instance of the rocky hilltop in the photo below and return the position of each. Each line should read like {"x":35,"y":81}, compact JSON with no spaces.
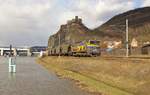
{"x":73,"y":31}
{"x":114,"y":29}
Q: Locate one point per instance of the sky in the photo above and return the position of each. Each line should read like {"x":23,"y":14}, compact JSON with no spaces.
{"x":31,"y":22}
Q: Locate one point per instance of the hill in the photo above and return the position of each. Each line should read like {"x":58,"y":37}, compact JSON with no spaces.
{"x":139,"y":25}
{"x":113,"y":29}
{"x":73,"y":31}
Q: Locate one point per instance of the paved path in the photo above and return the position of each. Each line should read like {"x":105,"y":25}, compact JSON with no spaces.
{"x":33,"y":79}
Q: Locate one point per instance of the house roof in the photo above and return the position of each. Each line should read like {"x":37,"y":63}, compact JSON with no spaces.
{"x":147,"y":45}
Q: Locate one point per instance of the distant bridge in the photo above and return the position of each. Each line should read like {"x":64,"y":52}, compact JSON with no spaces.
{"x":22,"y":51}
{"x":15,"y":51}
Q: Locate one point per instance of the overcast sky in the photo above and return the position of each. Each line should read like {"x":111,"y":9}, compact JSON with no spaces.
{"x":31,"y":22}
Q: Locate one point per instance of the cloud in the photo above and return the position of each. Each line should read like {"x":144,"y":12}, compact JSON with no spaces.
{"x":31,"y":22}
{"x":146,"y":3}
{"x":96,"y":12}
{"x":24,"y":22}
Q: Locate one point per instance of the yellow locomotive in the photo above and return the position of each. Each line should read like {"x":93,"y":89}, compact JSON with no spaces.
{"x":90,"y":48}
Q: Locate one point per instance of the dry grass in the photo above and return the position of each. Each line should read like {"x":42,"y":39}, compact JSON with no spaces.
{"x":113,"y":76}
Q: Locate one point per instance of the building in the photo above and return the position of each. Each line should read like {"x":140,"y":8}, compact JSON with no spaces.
{"x":134,"y":43}
{"x":146,"y":49}
{"x":35,"y":50}
{"x":112,"y":44}
{"x":75,"y":20}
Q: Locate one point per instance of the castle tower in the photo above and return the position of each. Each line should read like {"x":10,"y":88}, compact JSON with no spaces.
{"x":76,"y":18}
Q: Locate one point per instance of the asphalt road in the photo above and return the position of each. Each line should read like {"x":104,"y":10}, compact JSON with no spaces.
{"x":33,"y":79}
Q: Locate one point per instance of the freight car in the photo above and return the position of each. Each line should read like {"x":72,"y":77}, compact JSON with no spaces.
{"x":83,"y":48}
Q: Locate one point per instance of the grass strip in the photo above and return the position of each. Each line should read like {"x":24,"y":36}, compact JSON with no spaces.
{"x":84,"y":81}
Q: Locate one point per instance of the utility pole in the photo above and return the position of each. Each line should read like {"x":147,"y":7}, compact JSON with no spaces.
{"x":127,"y":38}
{"x":59,"y":44}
